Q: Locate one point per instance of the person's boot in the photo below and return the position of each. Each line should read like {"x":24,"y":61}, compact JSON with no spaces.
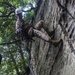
{"x":56,"y":42}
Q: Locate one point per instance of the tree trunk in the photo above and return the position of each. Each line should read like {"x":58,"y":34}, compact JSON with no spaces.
{"x":45,"y":58}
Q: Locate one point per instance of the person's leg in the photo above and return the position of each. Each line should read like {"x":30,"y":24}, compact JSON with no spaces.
{"x":45,"y":37}
{"x":41,"y":35}
{"x":41,"y":24}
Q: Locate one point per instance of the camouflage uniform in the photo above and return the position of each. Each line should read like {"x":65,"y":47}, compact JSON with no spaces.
{"x":29,"y":31}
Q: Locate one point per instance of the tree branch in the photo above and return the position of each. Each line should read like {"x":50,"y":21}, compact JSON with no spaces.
{"x":10,"y":42}
{"x":64,"y":8}
{"x":10,"y":5}
{"x":29,"y":10}
{"x":7,"y":14}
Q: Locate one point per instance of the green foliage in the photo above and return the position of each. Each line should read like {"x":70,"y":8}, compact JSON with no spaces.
{"x":12,"y":61}
{"x":29,"y":15}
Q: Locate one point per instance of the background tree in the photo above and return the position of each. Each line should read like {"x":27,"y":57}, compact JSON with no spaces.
{"x":14,"y":55}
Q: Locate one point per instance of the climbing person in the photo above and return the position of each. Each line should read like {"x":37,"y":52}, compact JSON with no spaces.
{"x":26,"y":31}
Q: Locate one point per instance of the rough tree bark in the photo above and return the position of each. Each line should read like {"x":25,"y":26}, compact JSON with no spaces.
{"x":47,"y":59}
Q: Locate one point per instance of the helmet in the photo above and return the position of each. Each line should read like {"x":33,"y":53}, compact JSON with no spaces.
{"x":18,"y":11}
